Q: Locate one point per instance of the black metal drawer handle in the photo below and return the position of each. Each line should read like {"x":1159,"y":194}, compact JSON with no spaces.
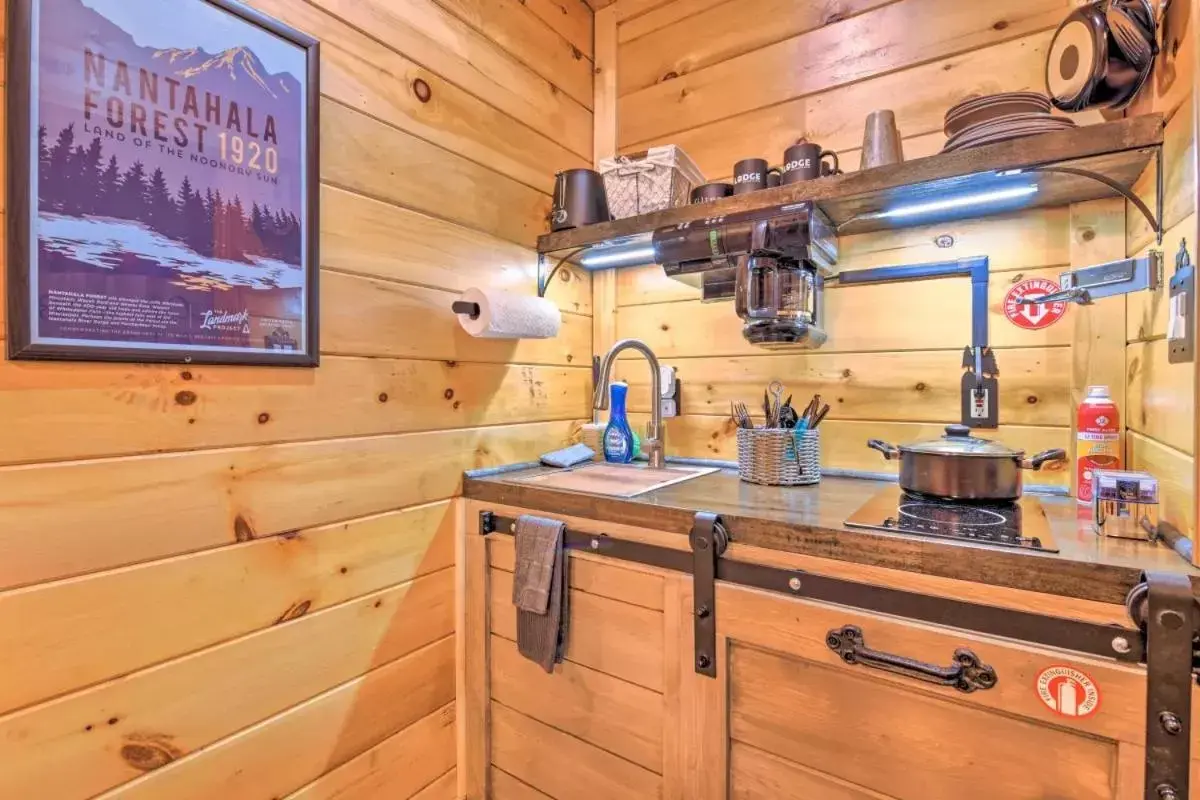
{"x":967,"y":673}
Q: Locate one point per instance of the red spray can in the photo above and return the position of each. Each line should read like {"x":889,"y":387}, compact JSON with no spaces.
{"x":1098,"y":439}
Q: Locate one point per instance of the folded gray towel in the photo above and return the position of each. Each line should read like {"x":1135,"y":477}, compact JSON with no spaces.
{"x":569,"y":456}
{"x":540,"y":590}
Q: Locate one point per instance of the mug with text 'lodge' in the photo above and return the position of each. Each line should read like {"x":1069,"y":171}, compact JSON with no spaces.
{"x":804,"y":161}
{"x":752,"y":174}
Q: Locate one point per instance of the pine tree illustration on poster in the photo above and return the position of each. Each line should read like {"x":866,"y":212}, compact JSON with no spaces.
{"x":75,"y":180}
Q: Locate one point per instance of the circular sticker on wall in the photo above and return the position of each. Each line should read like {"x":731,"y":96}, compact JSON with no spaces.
{"x":1033,"y":316}
{"x":1068,"y":692}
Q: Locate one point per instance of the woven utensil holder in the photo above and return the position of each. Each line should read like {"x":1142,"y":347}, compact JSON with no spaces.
{"x":777,"y":457}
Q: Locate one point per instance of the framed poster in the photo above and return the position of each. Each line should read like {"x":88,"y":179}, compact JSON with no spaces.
{"x":163,"y":183}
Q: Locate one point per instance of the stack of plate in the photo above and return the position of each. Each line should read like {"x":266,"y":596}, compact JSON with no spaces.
{"x":977,"y":121}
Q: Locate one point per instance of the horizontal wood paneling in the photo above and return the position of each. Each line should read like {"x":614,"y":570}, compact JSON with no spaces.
{"x":513,"y":26}
{"x":562,"y":766}
{"x":756,"y":773}
{"x":845,"y":712}
{"x":620,"y":717}
{"x":288,"y":751}
{"x":160,"y":408}
{"x":147,"y":719}
{"x":412,"y":763}
{"x":639,"y":17}
{"x":506,"y":787}
{"x":444,"y":788}
{"x":615,"y":638}
{"x":709,"y":36}
{"x":370,"y":317}
{"x":918,"y":386}
{"x":857,"y":319}
{"x":205,"y":598}
{"x":367,"y":156}
{"x":571,"y":18}
{"x":370,"y":76}
{"x":74,"y":517}
{"x":367,"y":237}
{"x":436,"y":39}
{"x":1175,"y":471}
{"x":594,"y":575}
{"x":844,"y":442}
{"x":889,"y":38}
{"x":1160,"y":395}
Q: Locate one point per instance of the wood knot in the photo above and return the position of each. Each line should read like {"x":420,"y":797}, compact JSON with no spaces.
{"x":1032,"y":400}
{"x":448,"y":394}
{"x":665,"y":327}
{"x":1001,"y":25}
{"x":383,"y":398}
{"x":1087,"y":234}
{"x":264,"y":418}
{"x":242,"y":531}
{"x":186,"y":375}
{"x":920,"y":387}
{"x":343,"y":570}
{"x":294,"y":611}
{"x":148,"y":753}
{"x":185,"y":398}
{"x":576,"y":52}
{"x":846,"y":373}
{"x":422,"y":90}
{"x":670,"y":76}
{"x":378,"y":603}
{"x":570,"y":358}
{"x":451,"y":364}
{"x":457,"y":403}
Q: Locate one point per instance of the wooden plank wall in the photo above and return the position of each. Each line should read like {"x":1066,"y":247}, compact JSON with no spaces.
{"x":238,"y":583}
{"x":731,"y":80}
{"x":1160,"y":402}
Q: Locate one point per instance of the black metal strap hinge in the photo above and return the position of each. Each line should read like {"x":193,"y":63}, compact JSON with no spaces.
{"x":1166,"y":608}
{"x":709,"y":540}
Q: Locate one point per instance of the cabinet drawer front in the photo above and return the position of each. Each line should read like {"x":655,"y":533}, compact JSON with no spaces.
{"x":800,"y":628}
{"x":907,"y":744}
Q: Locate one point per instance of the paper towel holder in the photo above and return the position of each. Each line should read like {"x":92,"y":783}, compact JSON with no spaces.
{"x":463,"y":307}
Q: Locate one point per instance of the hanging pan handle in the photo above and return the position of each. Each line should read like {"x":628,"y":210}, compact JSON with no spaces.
{"x":1044,"y":457}
{"x":966,"y":674}
{"x":889,"y":451}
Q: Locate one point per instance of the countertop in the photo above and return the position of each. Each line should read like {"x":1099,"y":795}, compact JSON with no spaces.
{"x":810,"y":520}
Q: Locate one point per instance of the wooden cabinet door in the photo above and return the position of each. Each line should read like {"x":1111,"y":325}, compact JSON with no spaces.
{"x":804,"y":724}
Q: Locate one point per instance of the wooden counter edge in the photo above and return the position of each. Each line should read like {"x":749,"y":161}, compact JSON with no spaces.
{"x":983,"y":566}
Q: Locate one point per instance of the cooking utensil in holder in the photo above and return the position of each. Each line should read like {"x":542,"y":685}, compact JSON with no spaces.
{"x":779,"y":456}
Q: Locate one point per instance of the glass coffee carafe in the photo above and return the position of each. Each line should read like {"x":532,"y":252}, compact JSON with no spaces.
{"x":776,"y":298}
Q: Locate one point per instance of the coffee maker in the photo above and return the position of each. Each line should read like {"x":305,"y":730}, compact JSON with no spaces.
{"x":772,"y":263}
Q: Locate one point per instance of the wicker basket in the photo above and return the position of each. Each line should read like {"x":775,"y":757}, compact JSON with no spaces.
{"x":655,"y":180}
{"x":777,"y":457}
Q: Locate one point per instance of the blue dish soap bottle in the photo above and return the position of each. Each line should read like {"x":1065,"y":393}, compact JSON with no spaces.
{"x":618,"y":436}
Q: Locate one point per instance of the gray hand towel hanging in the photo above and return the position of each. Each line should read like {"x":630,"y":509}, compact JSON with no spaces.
{"x":540,"y":590}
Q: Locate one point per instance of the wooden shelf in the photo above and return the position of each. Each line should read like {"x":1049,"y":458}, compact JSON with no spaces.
{"x":1118,"y":151}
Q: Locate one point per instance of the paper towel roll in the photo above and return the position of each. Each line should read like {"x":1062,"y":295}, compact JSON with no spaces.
{"x":503,"y":315}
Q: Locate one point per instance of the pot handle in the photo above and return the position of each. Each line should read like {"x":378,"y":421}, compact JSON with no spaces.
{"x":1044,"y":457}
{"x":889,"y":451}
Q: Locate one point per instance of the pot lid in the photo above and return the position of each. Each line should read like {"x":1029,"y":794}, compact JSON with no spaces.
{"x":959,"y":441}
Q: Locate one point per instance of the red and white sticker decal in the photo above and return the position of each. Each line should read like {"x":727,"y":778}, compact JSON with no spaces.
{"x":1068,"y":692}
{"x":1033,"y":317}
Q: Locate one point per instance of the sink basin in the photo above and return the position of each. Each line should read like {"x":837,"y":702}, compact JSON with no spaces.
{"x":615,"y":480}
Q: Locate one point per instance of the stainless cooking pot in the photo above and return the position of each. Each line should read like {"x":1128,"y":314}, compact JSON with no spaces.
{"x":959,"y":466}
